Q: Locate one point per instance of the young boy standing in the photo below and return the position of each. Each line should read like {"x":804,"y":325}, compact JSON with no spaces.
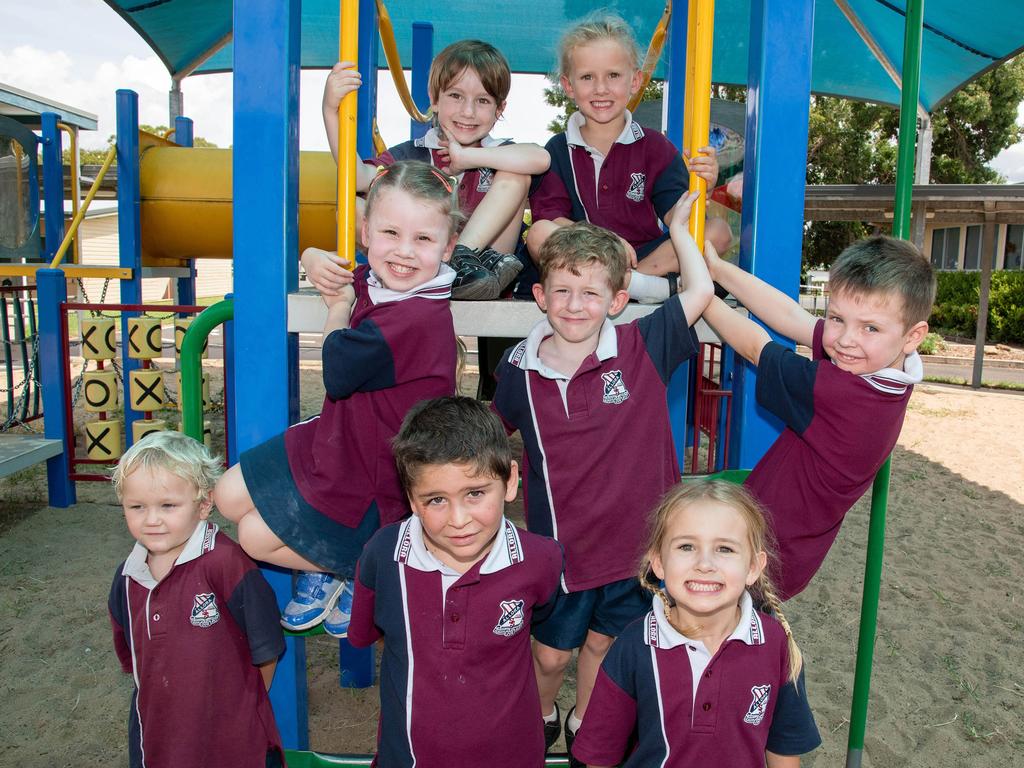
{"x":195,"y":623}
{"x":843,"y":409}
{"x":453,"y":590}
{"x":589,"y":399}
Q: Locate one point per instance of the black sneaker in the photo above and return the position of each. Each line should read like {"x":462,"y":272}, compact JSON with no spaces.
{"x":506,"y":266}
{"x":570,"y":737}
{"x":473,"y":281}
{"x":552,"y":730}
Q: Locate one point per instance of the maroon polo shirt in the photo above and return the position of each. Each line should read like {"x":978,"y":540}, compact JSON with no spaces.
{"x":640,"y":180}
{"x":399,"y":349}
{"x":192,"y":643}
{"x":692,"y":709}
{"x":598,"y":451}
{"x":840,"y":428}
{"x":457,"y":685}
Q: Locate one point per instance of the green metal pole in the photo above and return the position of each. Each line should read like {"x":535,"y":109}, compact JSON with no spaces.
{"x":192,"y":364}
{"x":880,"y":489}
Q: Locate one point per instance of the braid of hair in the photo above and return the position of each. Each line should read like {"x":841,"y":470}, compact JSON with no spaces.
{"x":773,"y":604}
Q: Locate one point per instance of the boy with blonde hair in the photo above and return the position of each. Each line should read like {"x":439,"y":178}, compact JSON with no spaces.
{"x":843,"y":409}
{"x":194,"y":621}
{"x":589,"y":399}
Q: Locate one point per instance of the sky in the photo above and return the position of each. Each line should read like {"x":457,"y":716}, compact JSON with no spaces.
{"x":80,"y":52}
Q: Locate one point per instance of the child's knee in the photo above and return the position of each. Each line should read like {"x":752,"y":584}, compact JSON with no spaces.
{"x":231,"y":496}
{"x":551,"y":661}
{"x":511,"y":182}
{"x":597,"y":643}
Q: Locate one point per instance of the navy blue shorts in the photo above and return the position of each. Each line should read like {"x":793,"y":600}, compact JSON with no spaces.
{"x":645,"y":250}
{"x":301,"y":526}
{"x":607,"y":610}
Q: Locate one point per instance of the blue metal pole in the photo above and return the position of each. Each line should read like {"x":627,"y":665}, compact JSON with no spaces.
{"x":129,"y":236}
{"x":774,"y":177}
{"x":265,"y":227}
{"x":366,"y":96}
{"x":53,"y":291}
{"x":231,"y":436}
{"x":53,"y":185}
{"x":422,"y":55}
{"x":679,"y":385}
{"x":186,"y":285}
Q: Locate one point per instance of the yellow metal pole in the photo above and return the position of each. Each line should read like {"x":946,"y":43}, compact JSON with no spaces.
{"x":701,"y":106}
{"x":390,"y":47}
{"x":654,"y":49}
{"x":691,"y":58}
{"x":76,"y":222}
{"x":348,"y":50}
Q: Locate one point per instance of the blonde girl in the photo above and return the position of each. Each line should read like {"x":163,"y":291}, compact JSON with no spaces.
{"x":712,"y":674}
{"x":608,"y":169}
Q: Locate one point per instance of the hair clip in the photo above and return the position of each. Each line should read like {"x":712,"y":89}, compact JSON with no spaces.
{"x":381,"y":171}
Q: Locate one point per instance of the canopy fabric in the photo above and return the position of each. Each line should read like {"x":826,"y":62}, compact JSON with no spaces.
{"x":961,"y":39}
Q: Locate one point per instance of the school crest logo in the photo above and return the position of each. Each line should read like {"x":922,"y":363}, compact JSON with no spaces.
{"x":615,"y":391}
{"x":512,"y":619}
{"x":636,"y":186}
{"x":204,"y":610}
{"x":759,"y":706}
{"x":483,"y":183}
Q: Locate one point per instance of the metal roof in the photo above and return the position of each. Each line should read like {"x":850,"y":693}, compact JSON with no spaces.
{"x":26,"y":107}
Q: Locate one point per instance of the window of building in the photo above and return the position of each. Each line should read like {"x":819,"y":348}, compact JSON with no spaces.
{"x":945,"y":247}
{"x":1014,"y":247}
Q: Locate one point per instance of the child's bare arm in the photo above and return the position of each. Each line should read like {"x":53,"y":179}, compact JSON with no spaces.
{"x":339,"y":309}
{"x":781,"y":761}
{"x":267,"y":672}
{"x":704,"y":164}
{"x":781,"y":313}
{"x":342,"y":80}
{"x":697,"y":286}
{"x":527,"y":159}
{"x":741,"y":333}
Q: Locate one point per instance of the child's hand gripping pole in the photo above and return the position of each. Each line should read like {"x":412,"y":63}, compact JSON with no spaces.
{"x":348,"y":50}
{"x":700,"y":37}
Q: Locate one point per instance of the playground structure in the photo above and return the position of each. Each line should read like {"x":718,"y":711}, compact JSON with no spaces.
{"x":266,"y":243}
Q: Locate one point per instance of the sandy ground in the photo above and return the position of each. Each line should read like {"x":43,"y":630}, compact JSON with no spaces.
{"x":948,"y":686}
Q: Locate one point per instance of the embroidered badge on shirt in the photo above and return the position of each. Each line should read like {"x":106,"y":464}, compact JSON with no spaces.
{"x":204,"y":610}
{"x":615,"y":391}
{"x":759,"y":706}
{"x":636,"y":186}
{"x":483,"y":183}
{"x":512,"y":619}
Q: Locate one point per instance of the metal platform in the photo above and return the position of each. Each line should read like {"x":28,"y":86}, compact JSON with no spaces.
{"x":506,"y":318}
{"x":18,"y":452}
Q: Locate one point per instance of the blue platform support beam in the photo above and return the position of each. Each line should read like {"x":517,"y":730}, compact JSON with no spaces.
{"x":53,"y":185}
{"x":422,"y":56}
{"x":129,"y":236}
{"x":183,"y":137}
{"x":265,"y":188}
{"x":774,"y":165}
{"x":52,"y":290}
{"x":679,"y":386}
{"x":366,"y":96}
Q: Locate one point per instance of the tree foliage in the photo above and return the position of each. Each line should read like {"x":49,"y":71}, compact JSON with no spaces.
{"x":96,"y":156}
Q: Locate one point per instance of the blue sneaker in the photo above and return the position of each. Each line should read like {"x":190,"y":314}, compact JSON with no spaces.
{"x":336,"y":623}
{"x":315,"y":595}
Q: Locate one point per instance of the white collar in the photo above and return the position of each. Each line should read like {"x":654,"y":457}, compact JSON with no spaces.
{"x":432,"y":140}
{"x":437,"y":287}
{"x":506,"y":550}
{"x":661,"y":634}
{"x":526,"y":355}
{"x":894,"y":381}
{"x":199,"y":543}
{"x":631,"y":132}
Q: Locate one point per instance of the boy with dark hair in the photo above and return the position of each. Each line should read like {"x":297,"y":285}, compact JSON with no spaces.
{"x":469,"y":82}
{"x":843,"y":409}
{"x":453,"y":591}
{"x":589,"y":399}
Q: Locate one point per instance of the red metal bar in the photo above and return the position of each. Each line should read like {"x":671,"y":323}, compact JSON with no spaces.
{"x":135,"y":307}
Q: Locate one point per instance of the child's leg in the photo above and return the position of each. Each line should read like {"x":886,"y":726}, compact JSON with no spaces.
{"x":539,"y":232}
{"x":660,"y":261}
{"x":588,"y":663}
{"x":497,"y":220}
{"x":232,"y":498}
{"x":549,"y":665}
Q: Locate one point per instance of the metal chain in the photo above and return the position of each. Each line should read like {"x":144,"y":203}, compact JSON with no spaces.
{"x":30,"y":378}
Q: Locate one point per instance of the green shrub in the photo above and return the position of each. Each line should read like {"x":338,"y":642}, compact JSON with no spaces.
{"x":931,"y":344}
{"x":957,"y":298}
